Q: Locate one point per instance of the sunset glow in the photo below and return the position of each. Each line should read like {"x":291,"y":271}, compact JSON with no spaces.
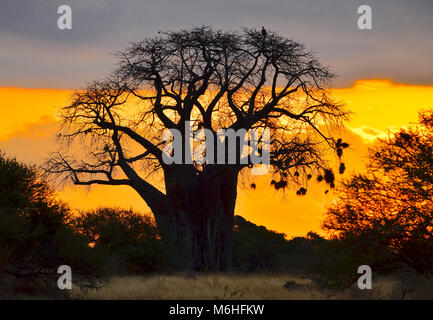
{"x":378,"y":106}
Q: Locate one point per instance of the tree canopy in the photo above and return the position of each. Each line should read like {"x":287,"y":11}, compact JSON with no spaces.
{"x":390,"y":206}
{"x":217,"y":80}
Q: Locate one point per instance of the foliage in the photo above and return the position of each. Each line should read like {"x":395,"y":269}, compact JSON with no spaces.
{"x":387,"y":213}
{"x":129,"y":239}
{"x":35,"y":238}
{"x":257,"y":249}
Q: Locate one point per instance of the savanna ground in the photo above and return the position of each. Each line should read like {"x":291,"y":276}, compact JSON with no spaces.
{"x":253,"y":287}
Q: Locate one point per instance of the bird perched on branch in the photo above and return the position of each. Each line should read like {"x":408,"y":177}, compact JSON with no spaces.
{"x":264,"y":32}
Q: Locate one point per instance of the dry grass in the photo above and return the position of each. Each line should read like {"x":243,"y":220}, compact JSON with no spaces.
{"x":254,"y":287}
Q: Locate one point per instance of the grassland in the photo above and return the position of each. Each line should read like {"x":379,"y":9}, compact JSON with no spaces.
{"x":255,"y":287}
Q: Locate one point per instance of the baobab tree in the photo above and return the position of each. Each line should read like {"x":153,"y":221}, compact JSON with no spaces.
{"x":213,"y":80}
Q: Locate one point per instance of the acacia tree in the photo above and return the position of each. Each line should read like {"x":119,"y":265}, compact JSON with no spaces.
{"x":217,"y":80}
{"x":389,"y":209}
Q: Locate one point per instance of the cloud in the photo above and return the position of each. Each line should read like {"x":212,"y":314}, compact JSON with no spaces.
{"x":32,"y":142}
{"x":45,"y":127}
{"x":367,"y":134}
{"x":36,"y":53}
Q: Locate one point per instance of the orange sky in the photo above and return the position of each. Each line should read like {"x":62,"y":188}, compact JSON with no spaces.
{"x":28,"y":127}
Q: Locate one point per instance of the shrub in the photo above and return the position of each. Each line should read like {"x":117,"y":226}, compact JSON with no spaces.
{"x":129,"y":239}
{"x":35,"y":237}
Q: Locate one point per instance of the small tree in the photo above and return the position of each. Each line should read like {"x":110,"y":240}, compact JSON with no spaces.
{"x":35,"y":236}
{"x":214,"y":80}
{"x":131,"y":238}
{"x":390,"y":208}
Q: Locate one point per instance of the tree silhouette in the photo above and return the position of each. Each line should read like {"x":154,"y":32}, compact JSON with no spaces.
{"x":217,"y":80}
{"x":390,"y":207}
{"x":129,"y":239}
{"x":35,"y":235}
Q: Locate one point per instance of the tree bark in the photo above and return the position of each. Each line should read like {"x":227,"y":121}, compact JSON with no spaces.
{"x":198,"y":228}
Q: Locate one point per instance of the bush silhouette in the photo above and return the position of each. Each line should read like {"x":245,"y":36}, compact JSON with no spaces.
{"x":35,"y":236}
{"x":257,"y":249}
{"x":129,"y":239}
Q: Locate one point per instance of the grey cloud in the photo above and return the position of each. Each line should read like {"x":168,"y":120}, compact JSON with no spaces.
{"x":399,"y":47}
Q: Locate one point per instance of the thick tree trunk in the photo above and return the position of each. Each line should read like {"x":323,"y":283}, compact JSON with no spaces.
{"x":199,"y":225}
